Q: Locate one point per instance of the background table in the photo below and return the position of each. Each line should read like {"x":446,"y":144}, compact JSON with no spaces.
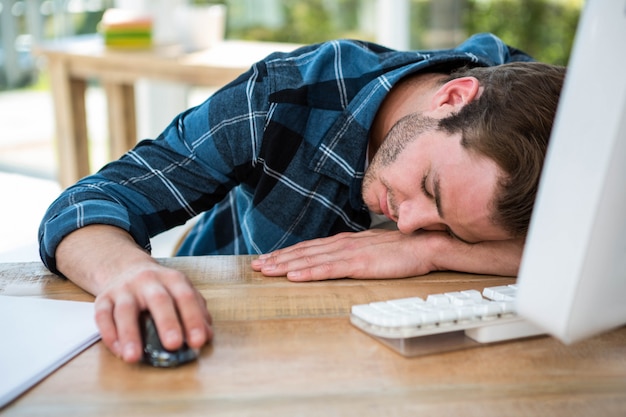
{"x":288,"y":349}
{"x":72,"y":62}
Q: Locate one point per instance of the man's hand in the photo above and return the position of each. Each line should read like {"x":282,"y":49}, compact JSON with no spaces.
{"x":126,"y":280}
{"x":179,"y":311}
{"x":380,"y":253}
{"x":374,"y":253}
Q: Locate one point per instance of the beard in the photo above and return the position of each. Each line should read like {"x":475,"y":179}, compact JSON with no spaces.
{"x":404,"y":131}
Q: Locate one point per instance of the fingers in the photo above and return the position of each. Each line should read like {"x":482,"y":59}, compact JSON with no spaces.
{"x":178,"y":309}
{"x":106,"y":324}
{"x":337,"y":256}
{"x":322,"y":270}
{"x":192,"y":314}
{"x":374,"y":253}
{"x":306,"y":265}
{"x":124,"y":316}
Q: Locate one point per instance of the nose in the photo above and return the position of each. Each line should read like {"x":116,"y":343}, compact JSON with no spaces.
{"x":412,"y":217}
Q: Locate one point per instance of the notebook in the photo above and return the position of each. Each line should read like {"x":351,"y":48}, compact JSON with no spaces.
{"x":38,"y":336}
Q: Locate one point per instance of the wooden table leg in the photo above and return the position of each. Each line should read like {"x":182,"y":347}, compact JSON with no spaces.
{"x":71,"y":123}
{"x":122,"y":119}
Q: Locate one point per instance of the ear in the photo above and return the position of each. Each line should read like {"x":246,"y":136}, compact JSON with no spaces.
{"x":453,"y":95}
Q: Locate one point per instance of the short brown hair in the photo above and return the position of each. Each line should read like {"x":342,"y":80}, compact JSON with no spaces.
{"x":510,"y":123}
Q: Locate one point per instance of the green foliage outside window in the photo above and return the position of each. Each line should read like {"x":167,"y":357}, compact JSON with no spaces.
{"x":543,"y":28}
{"x":303,"y":21}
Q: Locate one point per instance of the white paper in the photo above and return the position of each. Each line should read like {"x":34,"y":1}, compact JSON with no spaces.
{"x":37,"y":337}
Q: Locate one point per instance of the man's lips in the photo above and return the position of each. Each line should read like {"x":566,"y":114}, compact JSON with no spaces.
{"x":384,"y":207}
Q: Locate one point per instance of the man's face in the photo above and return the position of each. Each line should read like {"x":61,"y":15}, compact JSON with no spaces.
{"x":423,"y":178}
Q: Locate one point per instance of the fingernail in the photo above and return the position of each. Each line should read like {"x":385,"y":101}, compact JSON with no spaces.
{"x":172,"y":337}
{"x":129,"y":351}
{"x":196,"y":337}
{"x":293,"y":274}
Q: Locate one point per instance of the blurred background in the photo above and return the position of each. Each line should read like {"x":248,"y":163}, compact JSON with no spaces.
{"x":28,"y":165}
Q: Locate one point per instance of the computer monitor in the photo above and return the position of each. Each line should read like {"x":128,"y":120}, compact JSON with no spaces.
{"x":572,"y":280}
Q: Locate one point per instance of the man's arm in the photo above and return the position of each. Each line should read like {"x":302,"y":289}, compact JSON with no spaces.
{"x":97,"y":233}
{"x":105,"y":261}
{"x":389,"y":254}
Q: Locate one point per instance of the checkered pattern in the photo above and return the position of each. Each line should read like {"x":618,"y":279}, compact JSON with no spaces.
{"x":273,"y":158}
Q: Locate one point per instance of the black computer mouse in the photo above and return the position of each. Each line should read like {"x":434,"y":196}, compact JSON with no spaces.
{"x":153,"y":351}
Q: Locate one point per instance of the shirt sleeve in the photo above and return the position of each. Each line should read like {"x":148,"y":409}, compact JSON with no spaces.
{"x":161,"y":183}
{"x":491,"y":50}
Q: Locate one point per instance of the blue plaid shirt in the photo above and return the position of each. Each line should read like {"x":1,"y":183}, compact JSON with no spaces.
{"x":273,"y":158}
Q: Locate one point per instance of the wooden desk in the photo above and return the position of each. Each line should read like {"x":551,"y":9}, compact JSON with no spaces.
{"x":287,"y":349}
{"x":73,"y":61}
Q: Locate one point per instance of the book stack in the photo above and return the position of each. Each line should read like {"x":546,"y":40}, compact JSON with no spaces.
{"x":126,"y":29}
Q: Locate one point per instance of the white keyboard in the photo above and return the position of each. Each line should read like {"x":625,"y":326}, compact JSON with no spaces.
{"x":406,"y":322}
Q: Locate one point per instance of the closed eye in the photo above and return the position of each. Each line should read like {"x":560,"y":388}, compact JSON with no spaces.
{"x":437,"y":200}
{"x":457,"y":237}
{"x":424,"y":190}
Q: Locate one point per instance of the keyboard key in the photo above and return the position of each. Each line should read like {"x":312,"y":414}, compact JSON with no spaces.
{"x":438,"y":299}
{"x":447,"y":315}
{"x":467,"y":313}
{"x":461,"y":298}
{"x":501,"y":293}
{"x":407,"y":303}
